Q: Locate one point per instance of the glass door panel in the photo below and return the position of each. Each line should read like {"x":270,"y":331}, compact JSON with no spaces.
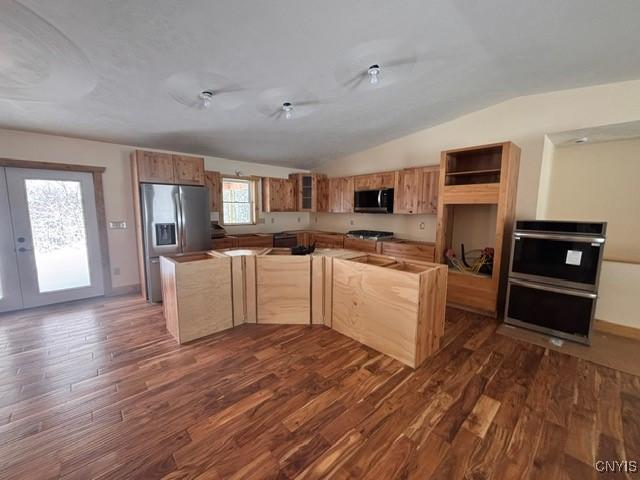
{"x":58,"y":234}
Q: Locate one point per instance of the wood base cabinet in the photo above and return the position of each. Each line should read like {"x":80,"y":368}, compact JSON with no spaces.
{"x":394,"y":307}
{"x":196,"y":295}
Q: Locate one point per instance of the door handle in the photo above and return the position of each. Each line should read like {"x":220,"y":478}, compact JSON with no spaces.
{"x":22,"y":249}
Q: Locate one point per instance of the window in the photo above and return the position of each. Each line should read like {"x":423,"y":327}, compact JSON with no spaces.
{"x":238,"y":201}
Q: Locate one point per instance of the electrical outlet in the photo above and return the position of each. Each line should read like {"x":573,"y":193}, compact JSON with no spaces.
{"x":299,"y":219}
{"x":116,"y":270}
{"x":351,"y":222}
{"x":421,"y":225}
{"x":273,"y":220}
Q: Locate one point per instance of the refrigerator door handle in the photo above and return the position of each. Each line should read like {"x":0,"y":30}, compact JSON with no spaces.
{"x":180,"y":218}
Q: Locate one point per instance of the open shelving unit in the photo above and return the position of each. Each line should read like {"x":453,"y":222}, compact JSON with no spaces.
{"x":476,"y":207}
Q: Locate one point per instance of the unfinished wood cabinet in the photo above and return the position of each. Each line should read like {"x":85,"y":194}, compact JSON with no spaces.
{"x":188,"y":170}
{"x":323,"y":194}
{"x":283,"y":286}
{"x":278,"y":194}
{"x":196,"y":293}
{"x":341,"y":194}
{"x":375,"y":181}
{"x":307,"y":191}
{"x":328,"y":240}
{"x":428,"y":196}
{"x":229,"y":241}
{"x":255,"y":240}
{"x":407,"y":191}
{"x":157,"y":167}
{"x":154,"y":167}
{"x":405,"y":321}
{"x":360,"y":244}
{"x":213,"y":182}
{"x":407,"y":249}
{"x":480,"y":179}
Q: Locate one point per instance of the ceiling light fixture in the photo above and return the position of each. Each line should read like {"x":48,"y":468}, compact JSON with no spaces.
{"x":287,"y":108}
{"x":205,"y":98}
{"x":374,"y":74}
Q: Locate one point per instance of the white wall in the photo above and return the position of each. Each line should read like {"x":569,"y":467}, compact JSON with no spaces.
{"x":117,"y":186}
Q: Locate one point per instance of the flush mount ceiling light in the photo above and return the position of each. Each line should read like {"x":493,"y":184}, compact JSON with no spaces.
{"x":374,"y":74}
{"x":287,"y":108}
{"x":205,"y":98}
{"x":199,"y":89}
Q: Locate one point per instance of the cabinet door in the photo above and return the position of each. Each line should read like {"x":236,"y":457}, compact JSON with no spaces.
{"x":335,"y":195}
{"x":289,"y":196}
{"x":429,"y":190}
{"x":188,"y":170}
{"x":407,"y":191}
{"x":154,"y":167}
{"x":322,"y":186}
{"x":346,"y":185}
{"x":213,"y":182}
{"x":306,"y":187}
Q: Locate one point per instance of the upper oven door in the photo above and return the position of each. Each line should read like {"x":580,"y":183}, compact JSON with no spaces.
{"x":572,"y":261}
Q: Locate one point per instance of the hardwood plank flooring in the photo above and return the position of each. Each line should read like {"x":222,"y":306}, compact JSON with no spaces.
{"x":99,"y":389}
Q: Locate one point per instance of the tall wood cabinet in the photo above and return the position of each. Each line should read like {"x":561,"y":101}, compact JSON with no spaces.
{"x":478,"y":182}
{"x":158,"y":167}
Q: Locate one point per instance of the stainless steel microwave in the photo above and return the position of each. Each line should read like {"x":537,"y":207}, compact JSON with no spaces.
{"x":374,"y":201}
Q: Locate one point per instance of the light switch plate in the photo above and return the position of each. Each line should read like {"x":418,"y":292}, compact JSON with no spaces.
{"x":118,"y":225}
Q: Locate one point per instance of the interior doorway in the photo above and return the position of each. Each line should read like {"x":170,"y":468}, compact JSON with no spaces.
{"x":49,"y":240}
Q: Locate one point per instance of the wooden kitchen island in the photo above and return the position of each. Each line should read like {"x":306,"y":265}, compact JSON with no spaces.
{"x":393,"y":305}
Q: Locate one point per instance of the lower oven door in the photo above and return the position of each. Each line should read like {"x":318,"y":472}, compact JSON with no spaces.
{"x":571,"y":261}
{"x":560,"y":312}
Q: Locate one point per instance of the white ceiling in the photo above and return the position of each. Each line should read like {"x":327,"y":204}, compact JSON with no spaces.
{"x":113,"y":70}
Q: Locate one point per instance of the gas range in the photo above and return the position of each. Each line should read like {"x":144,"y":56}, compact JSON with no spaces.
{"x":370,"y":235}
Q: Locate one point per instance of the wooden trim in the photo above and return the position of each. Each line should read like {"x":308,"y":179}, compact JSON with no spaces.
{"x":98,"y":190}
{"x":124,"y":290}
{"x":101,"y":217}
{"x":617,"y":329}
{"x":137,"y":214}
{"x":629,"y":261}
{"x":10,"y":162}
{"x":253,"y":182}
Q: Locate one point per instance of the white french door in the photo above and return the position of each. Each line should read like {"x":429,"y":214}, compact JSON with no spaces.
{"x":50,"y":252}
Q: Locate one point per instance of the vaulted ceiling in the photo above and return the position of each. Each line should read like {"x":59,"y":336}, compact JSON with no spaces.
{"x":130,"y":71}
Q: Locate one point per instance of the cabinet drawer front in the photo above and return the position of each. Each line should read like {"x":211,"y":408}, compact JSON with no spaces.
{"x":360,"y":244}
{"x":415,"y":251}
{"x":260,"y":241}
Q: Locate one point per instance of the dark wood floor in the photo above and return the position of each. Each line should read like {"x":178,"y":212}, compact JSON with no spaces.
{"x":100,"y":390}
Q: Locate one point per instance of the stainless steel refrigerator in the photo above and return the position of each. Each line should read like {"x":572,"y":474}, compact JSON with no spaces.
{"x":175,"y":219}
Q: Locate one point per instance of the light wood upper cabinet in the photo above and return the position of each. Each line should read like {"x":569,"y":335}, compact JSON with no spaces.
{"x":308,"y":190}
{"x":278,"y":194}
{"x":407,"y":191}
{"x":374,"y":181}
{"x":213,"y":182}
{"x":323,"y":194}
{"x":429,"y":179}
{"x":188,"y":170}
{"x":157,"y":167}
{"x":416,"y":190}
{"x":154,"y":167}
{"x":347,"y":185}
{"x":340,"y":195}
